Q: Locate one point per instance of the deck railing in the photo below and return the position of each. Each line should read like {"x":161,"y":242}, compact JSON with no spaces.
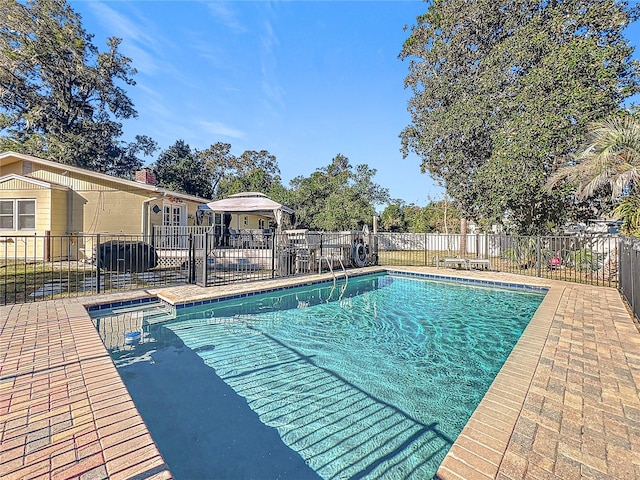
{"x":36,"y":267}
{"x":176,"y":237}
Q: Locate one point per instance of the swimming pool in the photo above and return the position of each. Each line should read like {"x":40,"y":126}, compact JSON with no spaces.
{"x":374,"y":379}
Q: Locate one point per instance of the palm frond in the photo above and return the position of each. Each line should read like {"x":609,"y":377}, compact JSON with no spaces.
{"x":610,"y":157}
{"x":629,"y":212}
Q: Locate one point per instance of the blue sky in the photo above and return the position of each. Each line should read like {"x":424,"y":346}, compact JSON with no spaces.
{"x":305,"y":80}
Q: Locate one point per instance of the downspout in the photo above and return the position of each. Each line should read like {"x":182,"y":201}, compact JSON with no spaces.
{"x":145,"y":214}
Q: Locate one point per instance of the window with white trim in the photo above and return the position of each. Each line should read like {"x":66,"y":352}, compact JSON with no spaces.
{"x":17,"y":214}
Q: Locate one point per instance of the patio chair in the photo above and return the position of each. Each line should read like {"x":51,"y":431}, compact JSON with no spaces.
{"x":235,"y":239}
{"x":298,"y":244}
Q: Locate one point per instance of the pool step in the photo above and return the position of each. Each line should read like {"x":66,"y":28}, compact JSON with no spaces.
{"x":150,"y":312}
{"x":140,"y":307}
{"x":159,"y":313}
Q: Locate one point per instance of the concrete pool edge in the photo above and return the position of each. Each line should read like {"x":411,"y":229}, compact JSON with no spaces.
{"x":488,"y":447}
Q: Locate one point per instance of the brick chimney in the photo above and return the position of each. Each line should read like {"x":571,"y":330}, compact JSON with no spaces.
{"x":146,"y":176}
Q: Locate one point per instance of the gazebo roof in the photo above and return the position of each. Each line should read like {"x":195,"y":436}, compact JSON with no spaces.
{"x":248,"y":202}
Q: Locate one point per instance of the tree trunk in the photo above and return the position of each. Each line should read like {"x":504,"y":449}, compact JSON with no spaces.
{"x":463,"y":237}
{"x":446,"y":226}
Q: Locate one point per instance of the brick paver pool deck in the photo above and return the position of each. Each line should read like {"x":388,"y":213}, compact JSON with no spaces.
{"x":565,"y":405}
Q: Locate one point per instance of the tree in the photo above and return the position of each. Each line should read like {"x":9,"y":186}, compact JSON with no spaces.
{"x":60,"y":96}
{"x":414,"y":217}
{"x":219,"y":162}
{"x":392,"y":218}
{"x":608,"y":164}
{"x":336,"y":197}
{"x":437,"y":216}
{"x":180,"y":169}
{"x":610,"y":159}
{"x":450,"y":108}
{"x":502,"y":93}
{"x":629,"y":211}
{"x":251,"y":172}
{"x":441,"y":216}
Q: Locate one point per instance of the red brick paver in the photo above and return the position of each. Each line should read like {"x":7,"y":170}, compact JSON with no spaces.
{"x":57,"y":384}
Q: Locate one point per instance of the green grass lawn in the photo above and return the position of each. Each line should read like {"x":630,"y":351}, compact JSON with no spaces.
{"x":431,"y":258}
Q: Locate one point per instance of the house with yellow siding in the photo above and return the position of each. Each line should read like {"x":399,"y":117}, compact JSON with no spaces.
{"x":41,"y":198}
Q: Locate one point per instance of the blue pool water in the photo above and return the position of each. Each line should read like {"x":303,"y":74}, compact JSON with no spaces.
{"x":374,"y":379}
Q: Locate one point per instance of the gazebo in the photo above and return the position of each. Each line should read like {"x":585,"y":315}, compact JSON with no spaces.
{"x":255,"y":203}
{"x":248,"y":246}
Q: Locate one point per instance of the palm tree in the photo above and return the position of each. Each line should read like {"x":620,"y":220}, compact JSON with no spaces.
{"x":611,"y":158}
{"x":629,"y":211}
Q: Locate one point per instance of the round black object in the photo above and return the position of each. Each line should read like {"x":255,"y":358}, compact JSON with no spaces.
{"x":126,"y":256}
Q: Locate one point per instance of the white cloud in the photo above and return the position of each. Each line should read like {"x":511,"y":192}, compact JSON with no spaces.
{"x":271,"y":87}
{"x":141,"y":40}
{"x":155,"y":103}
{"x":269,"y":38}
{"x":222,"y":12}
{"x":121,"y":25}
{"x":211,"y":52}
{"x":218,"y":128}
{"x":142,"y":61}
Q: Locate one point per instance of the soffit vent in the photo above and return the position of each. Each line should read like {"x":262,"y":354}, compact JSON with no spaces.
{"x":27,"y":167}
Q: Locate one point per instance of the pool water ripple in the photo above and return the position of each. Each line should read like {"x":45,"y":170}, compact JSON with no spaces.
{"x":337,"y":427}
{"x":375,"y":384}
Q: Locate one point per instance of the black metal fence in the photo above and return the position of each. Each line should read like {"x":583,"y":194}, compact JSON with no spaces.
{"x":37,"y":267}
{"x":630,"y":272}
{"x":269,"y":255}
{"x":34,"y":267}
{"x":591,"y":259}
